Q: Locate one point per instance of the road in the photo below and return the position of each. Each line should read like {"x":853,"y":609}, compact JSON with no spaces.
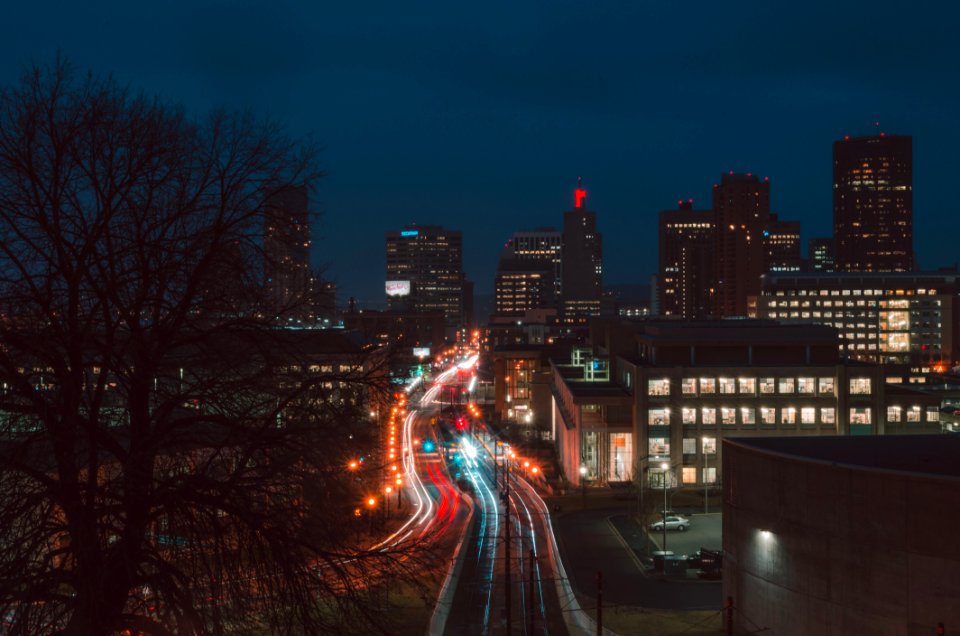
{"x":505,"y":586}
{"x":508,"y":583}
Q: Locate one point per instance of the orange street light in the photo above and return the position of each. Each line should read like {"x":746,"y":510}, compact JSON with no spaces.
{"x":353,"y":465}
{"x":372,"y":502}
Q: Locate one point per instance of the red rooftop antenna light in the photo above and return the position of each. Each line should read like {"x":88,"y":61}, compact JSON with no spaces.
{"x":579,"y":194}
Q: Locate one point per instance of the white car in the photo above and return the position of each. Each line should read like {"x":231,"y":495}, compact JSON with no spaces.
{"x":672,"y":523}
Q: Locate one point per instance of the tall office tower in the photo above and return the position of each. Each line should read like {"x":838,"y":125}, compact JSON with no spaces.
{"x":544,"y":246}
{"x":820,"y":255}
{"x":286,"y":249}
{"x":582,"y":262}
{"x":521,"y":286}
{"x":685,"y":281}
{"x":782,"y":239}
{"x":741,"y":208}
{"x":528,"y":274}
{"x":425,"y":272}
{"x":873,"y":203}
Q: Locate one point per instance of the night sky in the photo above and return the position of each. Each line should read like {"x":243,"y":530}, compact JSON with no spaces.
{"x":481,"y":117}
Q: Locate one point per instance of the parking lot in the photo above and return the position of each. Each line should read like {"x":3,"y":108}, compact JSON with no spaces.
{"x":706,"y":531}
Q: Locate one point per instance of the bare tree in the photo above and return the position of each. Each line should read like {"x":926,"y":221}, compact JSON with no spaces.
{"x":168,"y":462}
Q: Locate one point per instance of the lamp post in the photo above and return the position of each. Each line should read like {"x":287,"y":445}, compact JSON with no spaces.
{"x":706,"y":490}
{"x":386,"y":502}
{"x":583,"y":484}
{"x":663,"y":523}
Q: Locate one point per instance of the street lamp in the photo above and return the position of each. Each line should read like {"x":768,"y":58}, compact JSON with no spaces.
{"x":706,"y":491}
{"x":583,"y":483}
{"x":663,"y":522}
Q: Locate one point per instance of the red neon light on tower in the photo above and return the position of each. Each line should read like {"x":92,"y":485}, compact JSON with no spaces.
{"x":579,"y":195}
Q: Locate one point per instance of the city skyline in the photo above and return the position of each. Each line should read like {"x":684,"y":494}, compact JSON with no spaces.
{"x":481,"y":119}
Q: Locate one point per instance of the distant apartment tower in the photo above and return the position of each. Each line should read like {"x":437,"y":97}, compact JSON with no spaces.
{"x":741,"y":207}
{"x":286,"y":249}
{"x":782,"y":239}
{"x":582,"y":262}
{"x":685,"y":282}
{"x":820,"y":255}
{"x":873,"y":203}
{"x":425,"y":272}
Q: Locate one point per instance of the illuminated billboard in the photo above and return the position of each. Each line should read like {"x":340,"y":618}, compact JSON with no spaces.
{"x":398,"y":288}
{"x":421,"y":352}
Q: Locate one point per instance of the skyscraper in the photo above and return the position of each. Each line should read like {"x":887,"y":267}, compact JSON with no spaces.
{"x":741,"y":207}
{"x":286,"y":249}
{"x":425,"y":272}
{"x":685,"y":280}
{"x":820,"y":255}
{"x":782,"y":239}
{"x":873,"y":203}
{"x":582,"y":262}
{"x":528,"y":274}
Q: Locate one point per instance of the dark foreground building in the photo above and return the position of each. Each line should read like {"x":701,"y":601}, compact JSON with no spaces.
{"x":842,"y":535}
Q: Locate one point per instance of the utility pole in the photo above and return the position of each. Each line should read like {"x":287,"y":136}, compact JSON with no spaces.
{"x":599,"y":602}
{"x":506,"y":507}
{"x":533,"y":611}
{"x":729,"y":609}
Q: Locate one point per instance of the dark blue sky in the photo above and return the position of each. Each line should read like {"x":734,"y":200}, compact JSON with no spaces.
{"x":481,"y":116}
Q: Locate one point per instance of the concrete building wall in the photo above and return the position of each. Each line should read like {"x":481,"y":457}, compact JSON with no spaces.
{"x":812,"y":547}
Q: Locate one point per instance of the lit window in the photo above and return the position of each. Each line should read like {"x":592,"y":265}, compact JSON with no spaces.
{"x":658,"y":387}
{"x":709,"y":445}
{"x":688,"y":386}
{"x":806,"y":386}
{"x":728,"y":416}
{"x":748,"y":386}
{"x":689,"y":474}
{"x":860,"y":415}
{"x":860,"y":386}
{"x":728,"y":386}
{"x":788,"y":415}
{"x":826,"y":386}
{"x":689,"y":415}
{"x":767,"y":386}
{"x":787,"y":385}
{"x":689,"y":445}
{"x":748,"y":415}
{"x":709,"y":416}
{"x":768,"y":415}
{"x":708,"y":386}
{"x":658,"y":417}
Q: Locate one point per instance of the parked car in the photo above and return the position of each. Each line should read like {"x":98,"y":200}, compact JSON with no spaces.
{"x":672,"y":523}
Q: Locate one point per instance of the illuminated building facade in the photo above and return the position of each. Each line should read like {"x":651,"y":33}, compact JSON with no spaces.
{"x":889,"y":318}
{"x":873,"y":203}
{"x":668,"y":392}
{"x":425,"y":272}
{"x":582,"y":263}
{"x":685,"y":278}
{"x":741,"y":206}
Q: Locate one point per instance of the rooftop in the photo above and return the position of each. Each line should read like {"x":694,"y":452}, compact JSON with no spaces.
{"x":933,"y":455}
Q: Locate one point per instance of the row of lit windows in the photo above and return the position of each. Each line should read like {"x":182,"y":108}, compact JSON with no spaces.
{"x":855,"y":292}
{"x":732,"y":416}
{"x":748,"y":386}
{"x":747,"y":415}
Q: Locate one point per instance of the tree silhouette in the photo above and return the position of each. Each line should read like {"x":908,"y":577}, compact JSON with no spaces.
{"x":171,"y":463}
